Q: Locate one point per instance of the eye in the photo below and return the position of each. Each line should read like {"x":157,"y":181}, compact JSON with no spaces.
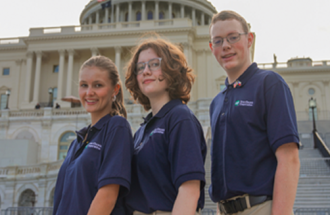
{"x":233,"y":37}
{"x":98,"y":85}
{"x":83,"y":85}
{"x":217,"y":41}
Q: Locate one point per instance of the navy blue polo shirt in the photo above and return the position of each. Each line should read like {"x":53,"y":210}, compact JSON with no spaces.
{"x":103,"y":159}
{"x":248,"y":124}
{"x":170,"y":149}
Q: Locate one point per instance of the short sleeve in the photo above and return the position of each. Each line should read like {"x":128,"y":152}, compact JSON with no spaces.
{"x":280,"y":115}
{"x":187,"y":151}
{"x":116,"y":158}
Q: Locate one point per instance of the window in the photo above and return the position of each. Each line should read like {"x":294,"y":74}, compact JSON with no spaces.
{"x":126,"y":17}
{"x":3,"y":101}
{"x":64,"y":144}
{"x":161,"y":15}
{"x":55,"y":69}
{"x":6,"y":71}
{"x":150,"y":15}
{"x":138,"y":16}
{"x":173,"y":15}
{"x":311,"y":91}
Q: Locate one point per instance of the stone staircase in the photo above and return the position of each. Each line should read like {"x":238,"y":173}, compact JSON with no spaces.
{"x":314,"y":182}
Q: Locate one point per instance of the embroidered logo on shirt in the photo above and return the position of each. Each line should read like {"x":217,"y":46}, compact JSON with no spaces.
{"x":94,"y":145}
{"x":158,"y":131}
{"x":244,"y":103}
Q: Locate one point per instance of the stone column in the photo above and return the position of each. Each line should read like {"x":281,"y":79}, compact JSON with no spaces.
{"x":193,"y":16}
{"x":112,"y":14}
{"x":170,"y":10}
{"x":129,"y":11}
{"x":97,"y":20}
{"x":182,"y":11}
{"x":117,"y":12}
{"x":143,"y":11}
{"x":203,"y":19}
{"x":186,"y":51}
{"x":118,"y":57}
{"x":29,"y":56}
{"x":95,"y":51}
{"x":90,"y":20}
{"x":156,"y":10}
{"x":60,"y":75}
{"x":37,"y":78}
{"x":106,"y":16}
{"x":327,"y":99}
{"x":70,"y":71}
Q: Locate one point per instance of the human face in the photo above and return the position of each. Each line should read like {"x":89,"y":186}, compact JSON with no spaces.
{"x":151,"y":83}
{"x":234,"y":58}
{"x":95,"y":92}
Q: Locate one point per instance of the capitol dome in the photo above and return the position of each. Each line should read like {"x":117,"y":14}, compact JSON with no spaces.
{"x":115,"y":11}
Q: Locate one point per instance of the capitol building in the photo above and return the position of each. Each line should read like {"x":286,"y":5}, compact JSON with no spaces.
{"x":42,"y":68}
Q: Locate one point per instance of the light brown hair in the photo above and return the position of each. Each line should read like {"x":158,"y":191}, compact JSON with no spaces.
{"x":174,"y":68}
{"x":228,"y":14}
{"x":106,"y":64}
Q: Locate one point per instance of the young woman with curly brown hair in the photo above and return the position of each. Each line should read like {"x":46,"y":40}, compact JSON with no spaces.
{"x":168,"y":174}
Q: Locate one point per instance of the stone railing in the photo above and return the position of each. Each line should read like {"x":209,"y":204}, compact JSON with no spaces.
{"x":281,"y":65}
{"x":38,"y":170}
{"x":43,"y":112}
{"x":304,"y":115}
{"x":145,"y":24}
{"x":11,"y":41}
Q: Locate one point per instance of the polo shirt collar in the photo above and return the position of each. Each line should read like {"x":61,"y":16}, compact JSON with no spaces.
{"x":81,"y":133}
{"x":163,"y":111}
{"x":249,"y":72}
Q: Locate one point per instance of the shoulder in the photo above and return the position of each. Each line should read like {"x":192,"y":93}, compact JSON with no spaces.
{"x":118,"y":121}
{"x":269,"y":77}
{"x":181,"y":112}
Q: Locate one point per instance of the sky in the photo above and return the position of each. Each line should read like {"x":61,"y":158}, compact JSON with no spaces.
{"x":286,"y":28}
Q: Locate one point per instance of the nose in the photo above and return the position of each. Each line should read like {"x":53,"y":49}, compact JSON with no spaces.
{"x":146,"y":70}
{"x":226,"y":44}
{"x":89,"y":91}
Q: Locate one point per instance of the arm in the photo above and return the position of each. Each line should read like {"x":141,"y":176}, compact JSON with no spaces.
{"x":286,"y":179}
{"x":105,"y":200}
{"x":186,"y":201}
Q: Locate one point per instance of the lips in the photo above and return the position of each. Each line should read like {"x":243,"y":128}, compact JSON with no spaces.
{"x":228,"y":55}
{"x":147,"y":81}
{"x":90,"y":101}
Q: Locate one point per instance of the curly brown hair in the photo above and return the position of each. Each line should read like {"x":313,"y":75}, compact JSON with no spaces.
{"x":174,"y":66}
{"x":104,"y":63}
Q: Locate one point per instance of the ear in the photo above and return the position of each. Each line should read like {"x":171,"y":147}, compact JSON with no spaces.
{"x":211,"y":47}
{"x":250,"y":37}
{"x":116,"y":89}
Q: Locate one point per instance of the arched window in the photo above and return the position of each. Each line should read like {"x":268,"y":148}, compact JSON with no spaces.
{"x":138,"y":16}
{"x":64,"y":144}
{"x":126,"y":17}
{"x":150,"y":15}
{"x":161,"y":15}
{"x":27,"y":199}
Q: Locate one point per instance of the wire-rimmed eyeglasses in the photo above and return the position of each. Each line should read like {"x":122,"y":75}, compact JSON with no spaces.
{"x":153,"y":64}
{"x":231,"y":38}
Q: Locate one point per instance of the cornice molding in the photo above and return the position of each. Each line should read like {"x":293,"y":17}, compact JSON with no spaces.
{"x":104,"y":34}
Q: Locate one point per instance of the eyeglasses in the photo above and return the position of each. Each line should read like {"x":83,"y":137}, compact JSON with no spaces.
{"x":153,"y":64}
{"x":231,"y":38}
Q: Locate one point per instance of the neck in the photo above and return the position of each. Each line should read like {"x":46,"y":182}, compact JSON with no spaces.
{"x":157,"y":103}
{"x":95,"y":118}
{"x":235,"y":74}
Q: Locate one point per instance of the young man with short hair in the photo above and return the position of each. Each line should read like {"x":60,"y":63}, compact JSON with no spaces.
{"x":255,"y":161}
